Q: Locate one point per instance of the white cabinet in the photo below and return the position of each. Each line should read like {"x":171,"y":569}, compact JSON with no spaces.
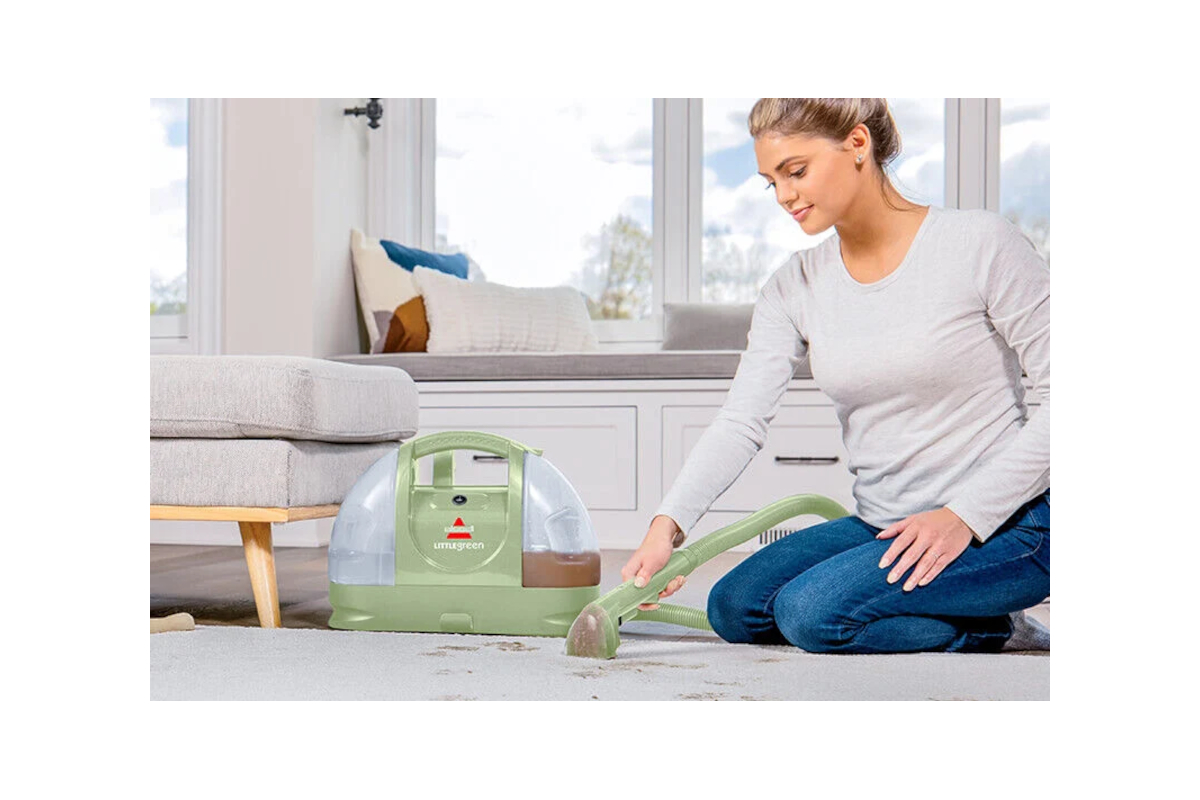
{"x":622,"y":443}
{"x":594,"y":446}
{"x":803,"y":454}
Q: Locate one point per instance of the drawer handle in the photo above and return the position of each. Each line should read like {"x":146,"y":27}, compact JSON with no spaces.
{"x":807,"y":459}
{"x":489,"y":459}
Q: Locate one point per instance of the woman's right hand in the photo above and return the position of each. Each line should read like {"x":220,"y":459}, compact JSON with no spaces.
{"x":652,"y":556}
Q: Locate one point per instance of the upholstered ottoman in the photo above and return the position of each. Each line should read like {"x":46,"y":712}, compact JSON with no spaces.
{"x":262,"y":439}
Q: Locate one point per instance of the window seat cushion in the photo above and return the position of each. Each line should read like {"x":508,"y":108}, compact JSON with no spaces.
{"x":596,"y":365}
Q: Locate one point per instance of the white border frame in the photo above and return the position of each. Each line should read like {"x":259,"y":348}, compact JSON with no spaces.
{"x":950,"y":154}
{"x":972,"y":151}
{"x":991,"y":132}
{"x":694,"y":277}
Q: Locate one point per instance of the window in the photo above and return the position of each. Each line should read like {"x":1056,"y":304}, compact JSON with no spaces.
{"x":168,"y":218}
{"x":551,"y":193}
{"x":919,"y":172}
{"x":650,"y":201}
{"x":185,"y":230}
{"x":1025,"y":168}
{"x":746,"y":236}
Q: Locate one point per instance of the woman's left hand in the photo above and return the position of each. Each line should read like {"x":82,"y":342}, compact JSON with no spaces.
{"x":935,"y":537}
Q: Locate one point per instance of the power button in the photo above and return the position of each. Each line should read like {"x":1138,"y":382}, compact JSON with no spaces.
{"x":459,"y":499}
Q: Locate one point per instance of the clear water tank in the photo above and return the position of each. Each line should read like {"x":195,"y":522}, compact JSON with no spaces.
{"x":362,"y":547}
{"x":559,"y":546}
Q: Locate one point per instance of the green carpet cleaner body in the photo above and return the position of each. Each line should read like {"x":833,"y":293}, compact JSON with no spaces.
{"x":519,"y":559}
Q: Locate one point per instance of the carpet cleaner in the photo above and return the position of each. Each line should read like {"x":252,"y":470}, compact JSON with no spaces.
{"x":518,"y":559}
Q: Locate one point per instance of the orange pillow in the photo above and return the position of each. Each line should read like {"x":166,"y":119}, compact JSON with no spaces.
{"x":409,"y":328}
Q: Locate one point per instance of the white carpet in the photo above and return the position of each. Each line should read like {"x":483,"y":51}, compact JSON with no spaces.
{"x":655,"y":662}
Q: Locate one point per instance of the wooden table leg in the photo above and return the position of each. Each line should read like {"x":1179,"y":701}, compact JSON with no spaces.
{"x":260,"y":558}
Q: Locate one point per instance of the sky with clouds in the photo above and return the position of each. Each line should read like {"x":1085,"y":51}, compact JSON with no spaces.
{"x":573,"y":165}
{"x":521,"y":184}
{"x":168,"y":188}
{"x":738,"y":206}
{"x":1025,"y":161}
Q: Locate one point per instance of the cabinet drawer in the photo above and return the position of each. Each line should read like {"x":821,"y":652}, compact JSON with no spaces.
{"x":595,"y":447}
{"x":803,"y":454}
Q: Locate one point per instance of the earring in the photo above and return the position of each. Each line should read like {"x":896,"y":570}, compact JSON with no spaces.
{"x":859,"y":161}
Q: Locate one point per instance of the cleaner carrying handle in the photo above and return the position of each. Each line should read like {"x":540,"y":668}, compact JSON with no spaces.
{"x":652,"y":555}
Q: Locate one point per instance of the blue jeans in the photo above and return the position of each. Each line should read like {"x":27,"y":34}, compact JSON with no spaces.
{"x":822,"y":590}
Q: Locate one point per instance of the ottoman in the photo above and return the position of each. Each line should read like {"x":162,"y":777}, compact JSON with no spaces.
{"x":262,"y":439}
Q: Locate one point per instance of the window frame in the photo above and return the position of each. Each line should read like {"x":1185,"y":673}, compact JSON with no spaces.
{"x":198,"y":331}
{"x":402,"y":162}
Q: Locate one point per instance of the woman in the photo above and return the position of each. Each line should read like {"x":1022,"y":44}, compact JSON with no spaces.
{"x":917,"y":322}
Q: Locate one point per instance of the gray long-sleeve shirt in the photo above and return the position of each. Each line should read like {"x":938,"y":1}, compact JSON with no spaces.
{"x":923,"y":367}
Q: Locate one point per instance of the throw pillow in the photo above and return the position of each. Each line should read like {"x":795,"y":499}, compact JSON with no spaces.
{"x":410,"y":257}
{"x":465,"y":316}
{"x":706,"y":326}
{"x":408,"y":330}
{"x":382,"y":286}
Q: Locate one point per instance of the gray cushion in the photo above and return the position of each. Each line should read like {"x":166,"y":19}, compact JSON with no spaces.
{"x":567,"y":366}
{"x":706,"y":326}
{"x":260,"y":473}
{"x":291,"y":397}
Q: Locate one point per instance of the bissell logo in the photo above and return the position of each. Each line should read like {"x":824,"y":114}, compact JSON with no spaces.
{"x":459,"y":530}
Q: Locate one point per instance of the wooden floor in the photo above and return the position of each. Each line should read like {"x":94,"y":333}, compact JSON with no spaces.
{"x":213,"y":585}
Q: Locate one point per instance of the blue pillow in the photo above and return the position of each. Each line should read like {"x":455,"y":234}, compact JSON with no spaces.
{"x":409,"y":257}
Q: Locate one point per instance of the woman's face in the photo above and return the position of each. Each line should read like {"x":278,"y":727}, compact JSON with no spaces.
{"x":810,"y":173}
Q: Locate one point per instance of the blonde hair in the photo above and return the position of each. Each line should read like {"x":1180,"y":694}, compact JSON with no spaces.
{"x":832,"y":118}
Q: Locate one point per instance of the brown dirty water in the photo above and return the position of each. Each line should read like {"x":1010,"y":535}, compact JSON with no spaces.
{"x":560,"y":570}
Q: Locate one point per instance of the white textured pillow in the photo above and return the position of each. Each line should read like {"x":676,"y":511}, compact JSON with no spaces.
{"x":382,"y":283}
{"x":468,"y":316}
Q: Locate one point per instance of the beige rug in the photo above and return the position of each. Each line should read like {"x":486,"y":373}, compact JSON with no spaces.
{"x":655,"y":662}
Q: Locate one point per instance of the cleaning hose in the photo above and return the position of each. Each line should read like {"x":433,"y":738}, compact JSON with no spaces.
{"x":594,"y":633}
{"x":677,"y":615}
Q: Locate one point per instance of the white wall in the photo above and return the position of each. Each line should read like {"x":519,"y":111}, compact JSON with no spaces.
{"x":339,"y":204}
{"x":295,"y":183}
